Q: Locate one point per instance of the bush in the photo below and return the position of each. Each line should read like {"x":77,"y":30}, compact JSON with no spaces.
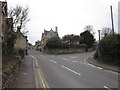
{"x":8,"y":43}
{"x":109,"y":49}
{"x":54,"y":42}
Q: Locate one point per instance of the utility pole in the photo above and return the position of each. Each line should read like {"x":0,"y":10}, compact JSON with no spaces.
{"x":99,"y":34}
{"x":112,"y":19}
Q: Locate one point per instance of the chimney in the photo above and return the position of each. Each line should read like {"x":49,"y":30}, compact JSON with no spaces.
{"x":18,"y":28}
{"x":51,"y":29}
{"x":56,"y":29}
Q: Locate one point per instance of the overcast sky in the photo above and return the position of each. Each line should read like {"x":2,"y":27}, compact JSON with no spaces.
{"x":70,"y":16}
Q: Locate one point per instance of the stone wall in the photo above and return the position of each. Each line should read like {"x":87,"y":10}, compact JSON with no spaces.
{"x":9,"y":74}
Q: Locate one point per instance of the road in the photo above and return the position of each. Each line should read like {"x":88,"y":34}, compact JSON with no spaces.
{"x":71,"y":71}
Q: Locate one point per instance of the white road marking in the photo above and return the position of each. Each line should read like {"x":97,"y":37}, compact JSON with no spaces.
{"x":107,"y":88}
{"x":73,"y":57}
{"x":75,"y":61}
{"x":70,"y":70}
{"x":92,"y":65}
{"x":53,"y":61}
{"x":99,"y":68}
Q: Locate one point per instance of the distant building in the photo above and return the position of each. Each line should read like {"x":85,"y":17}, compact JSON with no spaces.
{"x":45,"y":36}
{"x":30,"y":46}
{"x":37,"y":45}
{"x":119,"y":17}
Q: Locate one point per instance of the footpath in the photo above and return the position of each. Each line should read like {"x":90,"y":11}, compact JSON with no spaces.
{"x":25,"y":78}
{"x":93,"y":61}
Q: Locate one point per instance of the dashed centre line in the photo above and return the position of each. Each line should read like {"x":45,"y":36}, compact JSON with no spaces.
{"x":70,"y":70}
{"x":73,"y":57}
{"x":53,"y":61}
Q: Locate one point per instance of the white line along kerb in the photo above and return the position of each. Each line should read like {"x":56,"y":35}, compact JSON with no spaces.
{"x":70,"y":70}
{"x":45,"y":85}
{"x":107,"y":88}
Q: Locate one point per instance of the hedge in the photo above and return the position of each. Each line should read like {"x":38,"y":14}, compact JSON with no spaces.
{"x":109,"y":49}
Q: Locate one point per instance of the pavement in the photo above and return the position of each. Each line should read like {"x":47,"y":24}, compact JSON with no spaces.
{"x":94,"y":62}
{"x":25,"y":78}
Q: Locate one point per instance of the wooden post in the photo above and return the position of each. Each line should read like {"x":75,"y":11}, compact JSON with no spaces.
{"x":112,"y":19}
{"x":99,"y":34}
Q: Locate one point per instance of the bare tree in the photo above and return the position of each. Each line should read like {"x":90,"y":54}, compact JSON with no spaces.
{"x":19,"y":15}
{"x":89,"y":28}
{"x":106,"y":31}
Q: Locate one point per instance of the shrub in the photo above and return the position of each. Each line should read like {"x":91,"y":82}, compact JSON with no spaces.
{"x":54,"y":42}
{"x":109,"y":49}
{"x":8,"y":43}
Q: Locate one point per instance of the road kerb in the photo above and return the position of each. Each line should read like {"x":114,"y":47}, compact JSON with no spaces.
{"x":86,"y":60}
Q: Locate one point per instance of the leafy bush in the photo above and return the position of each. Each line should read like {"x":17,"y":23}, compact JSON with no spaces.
{"x":8,"y":43}
{"x":54,"y":42}
{"x":109,"y":49}
{"x":88,"y":38}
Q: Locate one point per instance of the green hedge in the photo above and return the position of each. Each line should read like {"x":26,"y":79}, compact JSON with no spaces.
{"x":8,"y":43}
{"x":53,"y":42}
{"x":109,"y":49}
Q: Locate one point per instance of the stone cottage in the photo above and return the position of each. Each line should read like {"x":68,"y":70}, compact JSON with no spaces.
{"x":21,"y":42}
{"x":45,"y":36}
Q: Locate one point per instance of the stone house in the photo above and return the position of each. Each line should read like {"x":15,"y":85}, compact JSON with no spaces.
{"x":21,"y":42}
{"x":6,"y":25}
{"x":45,"y":36}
